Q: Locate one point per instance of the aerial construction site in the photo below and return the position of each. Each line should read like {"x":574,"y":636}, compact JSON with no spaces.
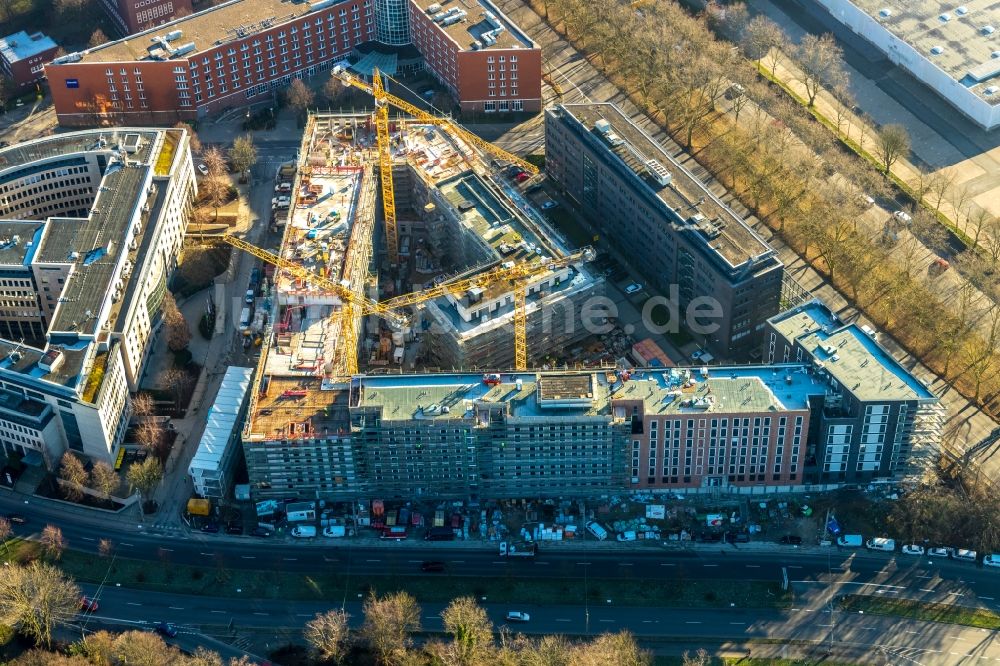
{"x":446,"y":266}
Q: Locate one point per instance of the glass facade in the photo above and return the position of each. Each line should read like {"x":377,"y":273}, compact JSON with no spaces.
{"x":392,"y":22}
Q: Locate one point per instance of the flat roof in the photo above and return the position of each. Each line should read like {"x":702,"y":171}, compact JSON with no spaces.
{"x":17,"y":241}
{"x":21,"y":45}
{"x":222,"y":23}
{"x":482,"y":22}
{"x":959,"y":30}
{"x":850,"y":355}
{"x":221,"y":420}
{"x":739,"y":389}
{"x":298,"y":407}
{"x":720,"y":228}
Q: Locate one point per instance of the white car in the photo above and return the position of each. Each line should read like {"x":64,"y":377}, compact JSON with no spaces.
{"x":517,"y":616}
{"x":902,"y":217}
{"x":992,"y":560}
{"x":912,"y":549}
{"x":940,"y":552}
{"x":965,"y":554}
{"x":633,"y":288}
{"x":248,"y":299}
{"x":202,"y":169}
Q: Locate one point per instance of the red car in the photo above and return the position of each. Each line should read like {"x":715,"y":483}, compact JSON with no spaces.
{"x":88,"y":605}
{"x":523,"y":176}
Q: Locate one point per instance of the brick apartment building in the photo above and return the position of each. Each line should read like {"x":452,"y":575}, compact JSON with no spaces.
{"x":225,"y":57}
{"x":23,"y":57}
{"x":486,"y":62}
{"x":131,"y":16}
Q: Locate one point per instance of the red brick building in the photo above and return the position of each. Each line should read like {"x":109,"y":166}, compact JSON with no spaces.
{"x":225,"y":57}
{"x":23,"y":57}
{"x":485,"y":60}
{"x":131,"y":16}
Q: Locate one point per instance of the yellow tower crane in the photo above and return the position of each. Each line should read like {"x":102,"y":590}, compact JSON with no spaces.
{"x":347,"y":343}
{"x":518,"y":273}
{"x":378,"y":92}
{"x":385,"y":168}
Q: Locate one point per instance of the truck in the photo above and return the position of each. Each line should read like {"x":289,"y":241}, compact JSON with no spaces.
{"x":199,"y":507}
{"x":851,"y":541}
{"x":518,"y":549}
{"x":397,"y":532}
{"x":245,"y":318}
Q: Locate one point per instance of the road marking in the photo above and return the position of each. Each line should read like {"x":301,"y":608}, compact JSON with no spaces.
{"x":500,"y":562}
{"x":925,"y":576}
{"x":463,"y":562}
{"x":248,"y":557}
{"x":753,"y":566}
{"x":911,"y":632}
{"x":692,"y":622}
{"x":290,"y":559}
{"x":739,"y":623}
{"x":957,"y":638}
{"x":957,"y":594}
{"x":132,"y":603}
{"x":710,"y":565}
{"x":606,"y":620}
{"x":543,"y":563}
{"x":624,"y":564}
{"x":88,"y":538}
{"x":809,"y":610}
{"x":223,"y":612}
{"x":794,"y":567}
{"x":667,"y":564}
{"x":127,"y":544}
{"x":987,"y":598}
{"x":824,"y":625}
{"x":924,"y":589}
{"x":259,"y":613}
{"x":582,"y":563}
{"x":419,"y":561}
{"x":168,"y":550}
{"x":373,"y":560}
{"x":565,"y":619}
{"x":175,"y":608}
{"x":207,"y":554}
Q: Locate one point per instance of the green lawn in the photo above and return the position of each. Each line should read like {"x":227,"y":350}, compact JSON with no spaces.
{"x":215,"y":578}
{"x":918,"y":610}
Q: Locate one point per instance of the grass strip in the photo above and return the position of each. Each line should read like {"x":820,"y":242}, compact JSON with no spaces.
{"x":920,"y":610}
{"x":217,"y":579}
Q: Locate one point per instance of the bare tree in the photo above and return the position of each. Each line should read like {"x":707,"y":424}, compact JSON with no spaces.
{"x":104,"y":478}
{"x":215,"y":162}
{"x":893,"y":142}
{"x":299,"y":96}
{"x":53,"y":542}
{"x":178,"y":331}
{"x":98,"y":648}
{"x":6,"y":531}
{"x":471,"y":632}
{"x":37,"y":599}
{"x":145,"y":648}
{"x":149,"y":433}
{"x":760,"y":36}
{"x":215,"y":186}
{"x":328,"y":633}
{"x":333,"y":90}
{"x":619,"y":649}
{"x":243,"y":154}
{"x":193,"y":141}
{"x":178,"y":381}
{"x":97,"y":38}
{"x":72,"y":471}
{"x":699,"y":658}
{"x":389,"y":621}
{"x":821,"y":62}
{"x":143,"y":404}
{"x":105,"y":548}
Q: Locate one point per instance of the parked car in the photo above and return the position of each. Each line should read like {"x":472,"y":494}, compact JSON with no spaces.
{"x":202,"y":169}
{"x":633,"y":288}
{"x":211,"y":528}
{"x":517,"y":616}
{"x":88,"y":605}
{"x":992,"y":560}
{"x":549,"y":204}
{"x":432,"y":566}
{"x":913,"y":549}
{"x":304,"y":532}
{"x":880,"y":543}
{"x":248,"y":299}
{"x":940,"y":551}
{"x":791,"y":539}
{"x":865,"y":200}
{"x":260,"y":532}
{"x":902,"y":217}
{"x":166,"y":629}
{"x":965,"y":554}
{"x":521,"y":177}
{"x":16,"y":518}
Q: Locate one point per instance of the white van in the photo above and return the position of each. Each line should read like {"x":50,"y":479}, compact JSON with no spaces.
{"x":304,"y":531}
{"x":597,"y":530}
{"x":881,"y":544}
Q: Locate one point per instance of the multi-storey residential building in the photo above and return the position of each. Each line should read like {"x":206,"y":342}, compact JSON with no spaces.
{"x":748,"y":429}
{"x":23,"y":57}
{"x":874,"y":420}
{"x":228,"y":56}
{"x":90,"y":226}
{"x":687,"y":243}
{"x":131,"y":16}
{"x":485,"y":60}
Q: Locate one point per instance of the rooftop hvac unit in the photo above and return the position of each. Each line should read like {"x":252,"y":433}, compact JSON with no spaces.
{"x":434,"y":9}
{"x":174,"y":34}
{"x":614,"y":139}
{"x":987,"y":30}
{"x":658,"y":172}
{"x":602,"y":126}
{"x":885,"y":12}
{"x":184,"y":48}
{"x":962,"y":10}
